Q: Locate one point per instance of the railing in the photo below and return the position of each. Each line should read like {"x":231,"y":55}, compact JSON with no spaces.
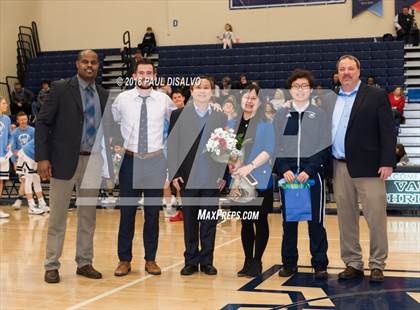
{"x":27,"y":47}
{"x":126,"y":55}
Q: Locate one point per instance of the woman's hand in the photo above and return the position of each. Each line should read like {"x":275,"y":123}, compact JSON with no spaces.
{"x":289,"y":176}
{"x":244,"y":170}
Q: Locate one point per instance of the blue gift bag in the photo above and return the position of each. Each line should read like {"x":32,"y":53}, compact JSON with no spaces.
{"x":297,"y":201}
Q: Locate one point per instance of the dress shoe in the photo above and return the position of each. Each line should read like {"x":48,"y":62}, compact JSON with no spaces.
{"x":122,"y":269}
{"x":376,"y":275}
{"x":152,"y":268}
{"x":244,"y":271}
{"x":255,"y":268}
{"x":350,"y":273}
{"x":189,"y":270}
{"x":208,"y":269}
{"x":89,"y":272}
{"x":320,"y":273}
{"x":52,"y":276}
{"x":287,"y":271}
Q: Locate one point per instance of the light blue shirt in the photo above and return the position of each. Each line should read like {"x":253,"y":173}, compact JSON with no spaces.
{"x":340,"y":121}
{"x":200,"y":113}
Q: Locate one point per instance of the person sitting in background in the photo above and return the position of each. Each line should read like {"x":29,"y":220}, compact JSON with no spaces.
{"x":148,"y":45}
{"x":243,"y":82}
{"x":269,"y":110}
{"x":278,"y":100}
{"x":231,"y":111}
{"x":21,"y":136}
{"x":26,"y":167}
{"x":21,"y":100}
{"x":371,"y":81}
{"x":137,"y":58}
{"x":335,"y":85}
{"x":42,"y":95}
{"x":397,"y":100}
{"x":228,"y":37}
{"x":403,"y":24}
{"x":401,"y":155}
{"x":226,"y":86}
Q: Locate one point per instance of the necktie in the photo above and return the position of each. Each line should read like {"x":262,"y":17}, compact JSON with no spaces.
{"x":90,"y":115}
{"x":142,"y":143}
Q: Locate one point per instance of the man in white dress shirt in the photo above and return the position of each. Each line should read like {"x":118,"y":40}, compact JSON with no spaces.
{"x":141,"y":113}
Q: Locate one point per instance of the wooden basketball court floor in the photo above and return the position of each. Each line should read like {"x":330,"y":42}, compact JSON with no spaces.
{"x":22,"y":248}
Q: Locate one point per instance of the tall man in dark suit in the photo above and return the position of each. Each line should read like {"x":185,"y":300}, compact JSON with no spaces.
{"x":195,"y":174}
{"x":65,"y":136}
{"x":363,"y":148}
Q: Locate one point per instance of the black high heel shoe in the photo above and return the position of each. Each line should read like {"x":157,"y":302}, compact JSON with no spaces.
{"x":245,"y":269}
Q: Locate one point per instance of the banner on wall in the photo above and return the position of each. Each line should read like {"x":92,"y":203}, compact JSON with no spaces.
{"x":373,"y":6}
{"x":399,"y":4}
{"x":253,"y":4}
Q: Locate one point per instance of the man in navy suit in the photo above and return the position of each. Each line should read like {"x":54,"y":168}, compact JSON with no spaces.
{"x":363,"y":147}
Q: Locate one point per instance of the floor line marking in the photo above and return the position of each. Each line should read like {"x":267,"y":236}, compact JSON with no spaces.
{"x":134,"y":282}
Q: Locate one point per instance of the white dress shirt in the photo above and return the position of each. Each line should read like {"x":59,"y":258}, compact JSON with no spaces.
{"x":126,"y":111}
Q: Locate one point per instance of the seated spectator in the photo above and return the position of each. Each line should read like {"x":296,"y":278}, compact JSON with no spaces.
{"x":42,"y":95}
{"x":21,"y":100}
{"x":371,"y":81}
{"x":148,"y":45}
{"x":231,"y":110}
{"x":228,"y":37}
{"x":404,"y":25}
{"x":400,"y":153}
{"x":278,"y":100}
{"x":178,"y":98}
{"x":269,"y":111}
{"x":335,"y":85}
{"x":243,"y":82}
{"x":397,"y":100}
{"x":137,"y":58}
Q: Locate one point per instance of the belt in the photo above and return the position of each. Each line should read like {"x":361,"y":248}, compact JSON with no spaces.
{"x":343,"y":160}
{"x":85,"y":153}
{"x":144,"y":155}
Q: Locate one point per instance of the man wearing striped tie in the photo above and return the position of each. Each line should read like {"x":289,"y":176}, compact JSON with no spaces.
{"x":64,"y":142}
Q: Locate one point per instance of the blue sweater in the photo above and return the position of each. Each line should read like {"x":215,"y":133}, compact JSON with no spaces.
{"x":29,"y":149}
{"x":5,"y":134}
{"x":20,"y":138}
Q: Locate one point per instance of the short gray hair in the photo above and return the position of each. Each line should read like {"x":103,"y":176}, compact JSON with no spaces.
{"x":351,"y":57}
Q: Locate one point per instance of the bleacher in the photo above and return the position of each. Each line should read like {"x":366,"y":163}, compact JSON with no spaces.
{"x":270,"y":63}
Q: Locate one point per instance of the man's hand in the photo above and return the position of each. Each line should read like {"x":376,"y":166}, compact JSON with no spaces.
{"x":302,"y":177}
{"x":289,"y":176}
{"x":221,"y":183}
{"x":44,"y":169}
{"x":175,"y":183}
{"x":385,"y":172}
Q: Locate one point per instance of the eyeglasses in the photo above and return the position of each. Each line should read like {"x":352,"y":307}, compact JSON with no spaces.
{"x":302,"y":87}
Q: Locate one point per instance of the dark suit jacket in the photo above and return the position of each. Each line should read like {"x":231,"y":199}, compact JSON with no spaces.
{"x":184,"y":139}
{"x":370,"y":137}
{"x":59,"y":127}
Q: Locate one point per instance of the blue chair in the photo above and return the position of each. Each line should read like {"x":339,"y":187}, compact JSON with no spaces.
{"x":379,"y":55}
{"x":395,"y":72}
{"x":377,"y":64}
{"x":329,"y":56}
{"x":378,"y":72}
{"x":361,"y":47}
{"x":297,"y":57}
{"x":396,"y":54}
{"x":313,"y":57}
{"x":396,"y":81}
{"x":282,"y":58}
{"x":395,"y":63}
{"x":329,"y":48}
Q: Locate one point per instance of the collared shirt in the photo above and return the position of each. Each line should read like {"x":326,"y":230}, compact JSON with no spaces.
{"x":82,"y":87}
{"x":201,"y":113}
{"x":302,"y":109}
{"x":126,"y":111}
{"x":340,"y":121}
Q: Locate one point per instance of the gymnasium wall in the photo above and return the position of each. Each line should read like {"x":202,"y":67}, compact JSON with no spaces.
{"x":78,"y":24}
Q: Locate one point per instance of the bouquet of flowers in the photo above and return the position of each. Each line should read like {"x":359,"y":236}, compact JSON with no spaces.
{"x":222,"y":145}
